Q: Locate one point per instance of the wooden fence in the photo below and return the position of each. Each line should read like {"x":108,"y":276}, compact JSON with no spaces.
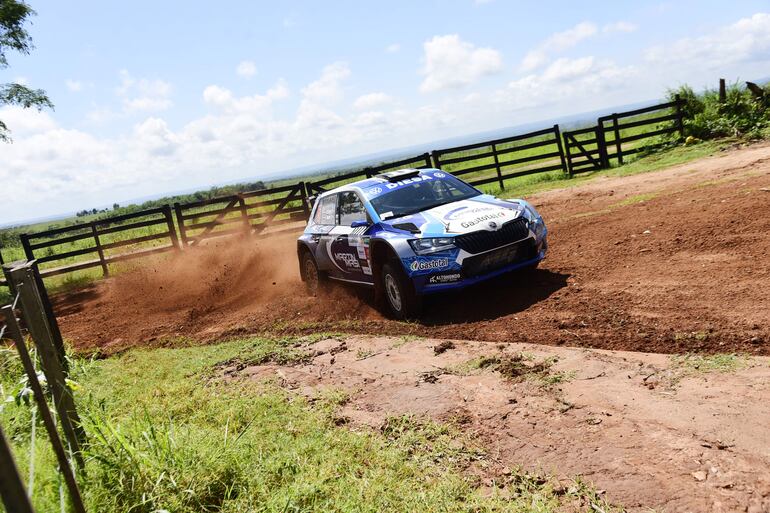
{"x":520,"y":155}
{"x":105,"y":238}
{"x":619,"y":134}
{"x":30,"y":298}
{"x":240,"y":214}
{"x":261,"y":212}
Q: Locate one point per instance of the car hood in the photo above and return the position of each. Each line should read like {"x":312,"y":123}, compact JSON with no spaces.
{"x":459,"y":217}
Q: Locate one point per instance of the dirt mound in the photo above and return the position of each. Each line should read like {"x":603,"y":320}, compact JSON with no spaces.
{"x":672,"y":261}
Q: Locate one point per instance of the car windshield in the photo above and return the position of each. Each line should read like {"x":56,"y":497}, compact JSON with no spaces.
{"x":414,"y":197}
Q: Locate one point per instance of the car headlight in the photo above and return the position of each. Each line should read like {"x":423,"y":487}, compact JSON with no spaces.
{"x":531,"y":213}
{"x":431,"y":244}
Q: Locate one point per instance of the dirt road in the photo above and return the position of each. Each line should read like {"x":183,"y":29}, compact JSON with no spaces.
{"x":652,"y":431}
{"x":670,"y":261}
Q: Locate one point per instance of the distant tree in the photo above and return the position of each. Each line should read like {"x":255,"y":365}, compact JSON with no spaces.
{"x":14,"y":37}
{"x":115,"y":206}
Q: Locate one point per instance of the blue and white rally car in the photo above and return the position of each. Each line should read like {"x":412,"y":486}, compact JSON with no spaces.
{"x":413,"y":232}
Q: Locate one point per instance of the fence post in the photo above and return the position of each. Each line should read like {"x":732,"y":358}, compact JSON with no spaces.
{"x":601,"y":143}
{"x":559,"y":145}
{"x":305,"y":206}
{"x":497,"y":167}
{"x":45,"y":413}
{"x":25,"y":244}
{"x":11,"y":486}
{"x":428,"y":163}
{"x":180,"y":223}
{"x":170,"y":224}
{"x":434,"y":156}
{"x":244,"y":214}
{"x":40,"y":326}
{"x":618,"y":147}
{"x":679,"y":115}
{"x":99,"y":250}
{"x":722,"y":91}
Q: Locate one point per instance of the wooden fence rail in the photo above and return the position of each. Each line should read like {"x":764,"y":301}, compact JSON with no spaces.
{"x":105,"y":236}
{"x":511,"y":157}
{"x":614,"y":126}
{"x":240,"y":214}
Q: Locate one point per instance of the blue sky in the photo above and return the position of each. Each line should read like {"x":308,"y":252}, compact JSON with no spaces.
{"x":154,"y":97}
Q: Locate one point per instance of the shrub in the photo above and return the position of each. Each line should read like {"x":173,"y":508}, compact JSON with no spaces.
{"x":742,"y":114}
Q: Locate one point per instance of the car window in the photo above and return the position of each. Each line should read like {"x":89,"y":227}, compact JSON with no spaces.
{"x":351,"y":209}
{"x":326,"y":212}
{"x":422,"y":195}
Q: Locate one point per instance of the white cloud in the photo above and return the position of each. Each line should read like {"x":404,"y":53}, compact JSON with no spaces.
{"x":328,"y":87}
{"x":557,"y":42}
{"x":393,"y":48}
{"x":223,"y":98}
{"x":747,"y":40}
{"x":74,"y":85}
{"x":619,"y":26}
{"x":246,"y":69}
{"x":450,"y":62}
{"x":566,"y":80}
{"x":143,"y":95}
{"x":21,"y":80}
{"x":371,"y":100}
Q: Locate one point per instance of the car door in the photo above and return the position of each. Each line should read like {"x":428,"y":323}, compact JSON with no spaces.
{"x":324,"y":220}
{"x":348,"y":246}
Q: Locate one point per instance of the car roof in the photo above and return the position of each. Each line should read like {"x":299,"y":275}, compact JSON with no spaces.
{"x":361,"y":185}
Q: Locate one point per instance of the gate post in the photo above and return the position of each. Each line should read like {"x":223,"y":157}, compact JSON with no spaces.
{"x":557,"y":133}
{"x":11,"y":486}
{"x":41,"y":326}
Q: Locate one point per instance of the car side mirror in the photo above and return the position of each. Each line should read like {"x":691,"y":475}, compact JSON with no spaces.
{"x":358,"y":224}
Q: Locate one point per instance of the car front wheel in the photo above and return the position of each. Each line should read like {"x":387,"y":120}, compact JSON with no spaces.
{"x":399,"y":293}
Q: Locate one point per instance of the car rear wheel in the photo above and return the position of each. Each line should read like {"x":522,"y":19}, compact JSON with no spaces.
{"x":398,"y":292}
{"x":310,"y":274}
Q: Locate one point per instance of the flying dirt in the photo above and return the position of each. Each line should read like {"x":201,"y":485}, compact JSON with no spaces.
{"x":671,"y":261}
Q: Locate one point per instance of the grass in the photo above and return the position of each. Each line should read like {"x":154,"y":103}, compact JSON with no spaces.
{"x":167,"y":434}
{"x":720,"y":362}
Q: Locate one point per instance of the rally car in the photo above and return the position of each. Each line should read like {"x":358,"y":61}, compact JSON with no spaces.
{"x":414,"y":232}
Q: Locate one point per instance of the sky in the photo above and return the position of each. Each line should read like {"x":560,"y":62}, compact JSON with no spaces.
{"x":160,"y":96}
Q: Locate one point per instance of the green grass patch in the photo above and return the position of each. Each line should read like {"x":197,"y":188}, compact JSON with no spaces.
{"x":164,"y":435}
{"x":720,"y":362}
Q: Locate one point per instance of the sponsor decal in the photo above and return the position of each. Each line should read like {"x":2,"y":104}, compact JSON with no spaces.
{"x":467,"y":212}
{"x":396,"y":185}
{"x":444,"y":278}
{"x":350,"y":261}
{"x":429,"y":265}
{"x":486,"y":217}
{"x":367,"y":270}
{"x":439,"y":175}
{"x":374,"y":191}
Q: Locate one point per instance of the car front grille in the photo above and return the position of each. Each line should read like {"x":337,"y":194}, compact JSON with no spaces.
{"x":482,"y":240}
{"x":488,"y":262}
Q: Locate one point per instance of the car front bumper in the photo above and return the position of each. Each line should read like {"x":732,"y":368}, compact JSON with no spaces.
{"x":483,"y":267}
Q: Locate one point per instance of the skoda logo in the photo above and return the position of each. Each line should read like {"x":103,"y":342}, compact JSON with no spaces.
{"x":493,"y":225}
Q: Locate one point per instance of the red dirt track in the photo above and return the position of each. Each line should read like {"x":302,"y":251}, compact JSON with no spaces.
{"x":670,"y":261}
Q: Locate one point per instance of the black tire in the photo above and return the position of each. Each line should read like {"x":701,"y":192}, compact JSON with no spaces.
{"x":398,"y":292}
{"x":312,"y":277}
